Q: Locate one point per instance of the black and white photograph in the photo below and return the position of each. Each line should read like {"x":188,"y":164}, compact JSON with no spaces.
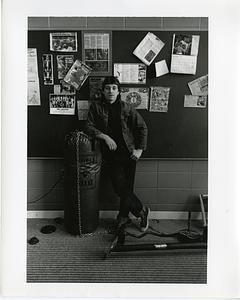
{"x":119,"y":157}
{"x":63,"y":41}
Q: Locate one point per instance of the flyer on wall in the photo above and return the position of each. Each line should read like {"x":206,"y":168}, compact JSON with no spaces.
{"x":199,"y":86}
{"x":77,"y":75}
{"x":62,"y":104}
{"x":131,"y":73}
{"x":96,"y":51}
{"x":63,"y":41}
{"x":148,"y":48}
{"x":184,"y":53}
{"x":137,"y":97}
{"x":159,"y":99}
{"x":64,"y":63}
{"x":47,"y":60}
{"x":33,"y":96}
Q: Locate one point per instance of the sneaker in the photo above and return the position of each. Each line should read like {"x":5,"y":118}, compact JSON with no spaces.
{"x":122,"y":221}
{"x":144,"y":223}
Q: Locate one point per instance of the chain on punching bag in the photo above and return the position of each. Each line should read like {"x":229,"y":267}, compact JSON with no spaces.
{"x":82,"y":174}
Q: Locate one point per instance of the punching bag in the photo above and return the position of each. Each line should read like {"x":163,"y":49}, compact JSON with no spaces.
{"x":82,"y":163}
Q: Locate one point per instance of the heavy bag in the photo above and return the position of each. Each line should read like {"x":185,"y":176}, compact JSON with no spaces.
{"x":81,"y":183}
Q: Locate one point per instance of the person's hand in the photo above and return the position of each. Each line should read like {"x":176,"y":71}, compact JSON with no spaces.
{"x":110,"y":142}
{"x":136,"y":154}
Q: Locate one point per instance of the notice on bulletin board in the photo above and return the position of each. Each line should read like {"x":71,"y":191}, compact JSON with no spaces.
{"x":199,"y":86}
{"x":33,"y":96}
{"x":64,"y":63}
{"x":137,"y":97}
{"x":96,"y":52}
{"x":148,"y":48}
{"x":63,"y":41}
{"x":131,"y":73}
{"x":47,"y":60}
{"x":77,"y":75}
{"x":62,"y":104}
{"x":83,"y":108}
{"x":159,"y":99}
{"x":184,"y":53}
{"x":195,"y":101}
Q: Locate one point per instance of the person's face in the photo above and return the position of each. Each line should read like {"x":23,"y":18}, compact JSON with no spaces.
{"x":111,"y":92}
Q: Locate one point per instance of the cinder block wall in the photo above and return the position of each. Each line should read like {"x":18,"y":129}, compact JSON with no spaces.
{"x":164,"y":185}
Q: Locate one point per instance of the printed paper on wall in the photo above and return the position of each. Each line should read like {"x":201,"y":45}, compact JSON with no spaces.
{"x":137,"y":97}
{"x":62,"y":104}
{"x":195,"y":101}
{"x":64,"y":63}
{"x":199,"y":86}
{"x":77,"y":75}
{"x":83,"y":108}
{"x":47,"y":60}
{"x":184,"y":53}
{"x":159,"y":99}
{"x":63,"y":41}
{"x":131,"y":73}
{"x":33,"y":95}
{"x":148,"y":48}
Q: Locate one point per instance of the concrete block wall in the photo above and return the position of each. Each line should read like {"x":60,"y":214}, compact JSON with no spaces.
{"x":163,"y":185}
{"x":118,"y":23}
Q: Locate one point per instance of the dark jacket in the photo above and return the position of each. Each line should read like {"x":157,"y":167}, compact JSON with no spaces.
{"x":134,"y":129}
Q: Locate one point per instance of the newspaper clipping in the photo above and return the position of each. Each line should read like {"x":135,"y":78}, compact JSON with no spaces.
{"x":199,"y":86}
{"x":77,"y":74}
{"x":131,"y":73}
{"x":63,"y":41}
{"x":62,"y":104}
{"x":159,"y":99}
{"x":149,"y":48}
{"x":33,"y":96}
{"x":64,"y":63}
{"x":184,"y":53}
{"x":195,"y":101}
{"x":96,"y":51}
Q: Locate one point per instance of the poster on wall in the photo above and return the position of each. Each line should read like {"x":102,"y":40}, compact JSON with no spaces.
{"x":148,"y":48}
{"x":77,"y":74}
{"x":199,"y":86}
{"x":64,"y":63}
{"x":62,"y":104}
{"x":159,"y":99}
{"x":33,"y":95}
{"x":137,"y":97}
{"x":184,"y":53}
{"x":195,"y":101}
{"x":130,"y":73}
{"x":83,"y":108}
{"x":63,"y":41}
{"x":47,"y":60}
{"x":95,"y":87}
{"x":97,"y":52}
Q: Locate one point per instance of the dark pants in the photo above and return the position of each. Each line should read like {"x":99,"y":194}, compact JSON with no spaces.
{"x":122,"y":174}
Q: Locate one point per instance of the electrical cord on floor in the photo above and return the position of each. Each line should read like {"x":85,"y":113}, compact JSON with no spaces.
{"x":51,"y":189}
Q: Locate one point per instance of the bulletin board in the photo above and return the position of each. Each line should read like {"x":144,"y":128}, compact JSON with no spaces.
{"x":181,"y":133}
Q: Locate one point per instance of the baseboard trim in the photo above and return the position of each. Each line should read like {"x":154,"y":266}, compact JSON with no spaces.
{"x":179,"y":215}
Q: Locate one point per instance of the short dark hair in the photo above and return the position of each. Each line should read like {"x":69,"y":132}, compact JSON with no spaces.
{"x":111,"y":80}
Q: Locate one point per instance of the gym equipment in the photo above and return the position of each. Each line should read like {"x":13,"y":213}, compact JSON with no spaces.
{"x":187,"y":239}
{"x":81,"y":181}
